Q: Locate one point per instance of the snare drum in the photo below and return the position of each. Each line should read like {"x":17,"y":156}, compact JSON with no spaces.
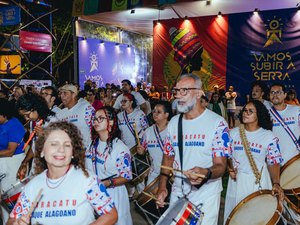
{"x":10,"y":197}
{"x":140,"y":166}
{"x":290,"y":182}
{"x":182,"y":212}
{"x":258,"y":208}
{"x":148,"y":205}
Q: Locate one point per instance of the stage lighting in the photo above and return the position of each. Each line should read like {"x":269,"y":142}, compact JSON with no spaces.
{"x":132,"y":11}
{"x":219,"y":14}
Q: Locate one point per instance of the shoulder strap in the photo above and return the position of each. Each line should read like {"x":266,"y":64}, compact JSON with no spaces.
{"x":285,"y":126}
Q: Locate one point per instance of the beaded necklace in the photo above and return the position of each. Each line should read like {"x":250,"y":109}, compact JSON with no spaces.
{"x":55,"y":184}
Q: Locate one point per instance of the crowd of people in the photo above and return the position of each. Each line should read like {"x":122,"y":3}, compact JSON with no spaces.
{"x":76,"y":149}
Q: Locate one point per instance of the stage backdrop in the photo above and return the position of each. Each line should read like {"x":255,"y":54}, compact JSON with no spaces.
{"x":108,"y":62}
{"x":197,"y":45}
{"x":236,"y":50}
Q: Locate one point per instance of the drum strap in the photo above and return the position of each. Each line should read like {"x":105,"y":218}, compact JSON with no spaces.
{"x":249,"y":155}
{"x":180,"y":142}
{"x":128,"y":124}
{"x":158,"y":138}
{"x":285,"y":126}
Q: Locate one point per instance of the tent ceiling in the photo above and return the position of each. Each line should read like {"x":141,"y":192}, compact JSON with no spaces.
{"x":142,"y":20}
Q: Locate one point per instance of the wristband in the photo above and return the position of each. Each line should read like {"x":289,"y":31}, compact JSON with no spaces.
{"x":205,"y":179}
{"x":111,"y":183}
{"x":277,"y":184}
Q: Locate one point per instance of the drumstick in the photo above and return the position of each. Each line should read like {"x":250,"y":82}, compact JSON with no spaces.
{"x":37,"y":198}
{"x":182,"y":171}
{"x":153,"y":197}
{"x":136,"y":134}
{"x":31,"y":135}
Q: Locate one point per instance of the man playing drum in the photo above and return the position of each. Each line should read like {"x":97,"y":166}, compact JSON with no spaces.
{"x":282,"y":115}
{"x":205,"y":142}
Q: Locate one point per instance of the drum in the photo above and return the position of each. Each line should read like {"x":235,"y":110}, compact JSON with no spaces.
{"x":182,"y":212}
{"x":140,"y":166}
{"x":10,"y":197}
{"x":259,"y":208}
{"x":147,"y":204}
{"x":290,"y":182}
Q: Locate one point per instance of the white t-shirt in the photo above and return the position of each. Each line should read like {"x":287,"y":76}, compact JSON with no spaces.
{"x":267,"y":103}
{"x":80,"y":115}
{"x":204,"y":138}
{"x":127,"y":135}
{"x":263,"y":145}
{"x":116,"y":163}
{"x":138,"y":97}
{"x":151,"y":144}
{"x":230,"y":101}
{"x":291,"y":116}
{"x":73,"y":201}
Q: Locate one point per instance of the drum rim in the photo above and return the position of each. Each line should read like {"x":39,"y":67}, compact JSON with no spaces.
{"x":147,"y":198}
{"x":183,"y":209}
{"x":273,"y":219}
{"x":296,"y":157}
{"x":288,"y":163}
{"x":143,"y":174}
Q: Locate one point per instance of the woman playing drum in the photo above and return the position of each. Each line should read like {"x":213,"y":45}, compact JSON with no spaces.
{"x":110,"y":158}
{"x":154,"y":136}
{"x":256,"y":156}
{"x":69,"y":193}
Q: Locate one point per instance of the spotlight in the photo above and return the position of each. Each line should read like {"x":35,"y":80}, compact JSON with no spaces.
{"x":219,"y":14}
{"x":158,"y":21}
{"x":186,"y":18}
{"x":128,"y":46}
{"x":132,"y":11}
{"x":101,"y":42}
{"x":255,"y":11}
{"x":117,"y":44}
{"x":298,"y":8}
{"x":84,"y":38}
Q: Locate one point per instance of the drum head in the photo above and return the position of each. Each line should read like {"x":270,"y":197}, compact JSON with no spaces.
{"x":257,"y":209}
{"x":290,"y":176}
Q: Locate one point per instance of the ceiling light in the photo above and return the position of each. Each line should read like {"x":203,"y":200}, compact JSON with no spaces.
{"x":255,"y":11}
{"x":219,"y":14}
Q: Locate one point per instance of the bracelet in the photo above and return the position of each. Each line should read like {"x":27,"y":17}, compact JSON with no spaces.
{"x":277,"y":184}
{"x":209,"y":174}
{"x":111,"y":183}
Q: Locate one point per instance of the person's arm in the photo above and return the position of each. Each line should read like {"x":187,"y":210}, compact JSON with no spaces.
{"x":215,"y":171}
{"x":162,"y":192}
{"x":274,"y":171}
{"x":24,"y":165}
{"x":144,"y":108}
{"x":10,"y":150}
{"x":109,"y":218}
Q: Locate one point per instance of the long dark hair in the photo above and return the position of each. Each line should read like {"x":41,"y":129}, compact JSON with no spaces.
{"x":263,"y":115}
{"x":34,"y":102}
{"x":115,"y":131}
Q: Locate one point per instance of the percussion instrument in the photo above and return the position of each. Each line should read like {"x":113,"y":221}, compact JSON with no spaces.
{"x":182,"y":212}
{"x":140,"y":166}
{"x":258,"y":208}
{"x":146,"y":201}
{"x":290,"y":182}
{"x":10,"y":197}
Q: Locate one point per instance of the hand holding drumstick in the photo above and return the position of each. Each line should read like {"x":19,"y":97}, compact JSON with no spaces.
{"x":25,"y":219}
{"x":195,"y":175}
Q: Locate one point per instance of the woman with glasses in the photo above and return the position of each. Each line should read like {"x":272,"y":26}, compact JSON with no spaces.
{"x":110,"y":159}
{"x":65,"y":191}
{"x":255,"y":157}
{"x":154,"y":137}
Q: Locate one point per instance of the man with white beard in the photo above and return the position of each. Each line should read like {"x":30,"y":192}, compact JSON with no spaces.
{"x":205,"y":144}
